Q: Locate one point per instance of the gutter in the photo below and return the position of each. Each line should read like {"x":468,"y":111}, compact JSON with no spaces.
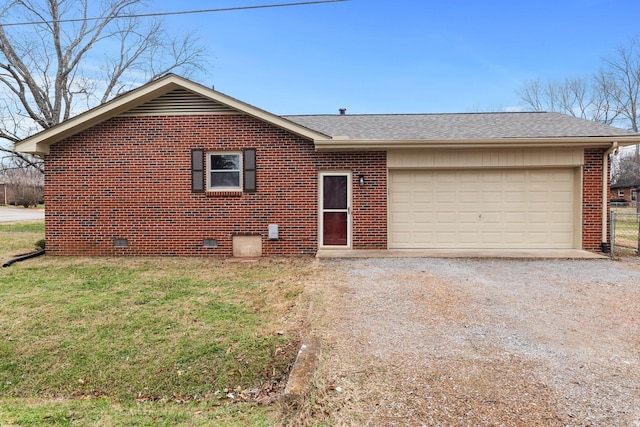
{"x":344,"y":143}
{"x":605,"y":193}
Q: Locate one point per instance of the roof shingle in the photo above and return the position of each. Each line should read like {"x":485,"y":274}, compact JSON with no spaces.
{"x":456,"y":126}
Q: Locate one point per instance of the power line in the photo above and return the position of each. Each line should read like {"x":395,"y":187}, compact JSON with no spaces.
{"x":184,"y":12}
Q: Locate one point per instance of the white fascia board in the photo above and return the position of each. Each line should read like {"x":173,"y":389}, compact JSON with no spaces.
{"x":382,"y":145}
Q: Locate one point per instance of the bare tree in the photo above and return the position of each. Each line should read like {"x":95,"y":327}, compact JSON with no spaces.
{"x":609,"y":96}
{"x":72,"y":55}
{"x":587,"y":99}
{"x":625,"y":168}
{"x":622,"y":74}
{"x":24,"y":184}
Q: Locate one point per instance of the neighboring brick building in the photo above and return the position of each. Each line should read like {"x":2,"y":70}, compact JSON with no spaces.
{"x":624,"y":192}
{"x":174,"y":168}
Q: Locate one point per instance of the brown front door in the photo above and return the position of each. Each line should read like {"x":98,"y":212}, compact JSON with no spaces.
{"x":335,"y":208}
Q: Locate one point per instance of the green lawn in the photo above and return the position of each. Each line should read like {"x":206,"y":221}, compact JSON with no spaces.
{"x":143,"y":341}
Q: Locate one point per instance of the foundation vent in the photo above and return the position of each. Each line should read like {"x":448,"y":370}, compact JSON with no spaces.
{"x":120,"y":243}
{"x":210,"y":243}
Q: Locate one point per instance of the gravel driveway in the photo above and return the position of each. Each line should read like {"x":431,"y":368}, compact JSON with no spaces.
{"x":460,"y":342}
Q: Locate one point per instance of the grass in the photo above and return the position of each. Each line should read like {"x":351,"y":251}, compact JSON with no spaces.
{"x":143,"y":341}
{"x":104,"y":412}
{"x":19,"y":238}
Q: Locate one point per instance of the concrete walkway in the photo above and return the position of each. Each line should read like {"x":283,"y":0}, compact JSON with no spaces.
{"x":13,"y":214}
{"x":461,"y":253}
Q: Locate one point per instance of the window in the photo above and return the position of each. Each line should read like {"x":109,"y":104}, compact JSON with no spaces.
{"x":224,"y":171}
{"x":621,"y":192}
{"x":633,"y":195}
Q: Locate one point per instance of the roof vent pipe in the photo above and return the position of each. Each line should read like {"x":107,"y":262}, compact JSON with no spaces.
{"x":342,"y":111}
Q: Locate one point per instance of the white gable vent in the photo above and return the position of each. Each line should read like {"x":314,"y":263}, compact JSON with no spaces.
{"x":179,"y":102}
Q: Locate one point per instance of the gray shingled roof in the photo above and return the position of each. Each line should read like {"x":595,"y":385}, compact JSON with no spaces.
{"x":455,"y":126}
{"x":626,"y":183}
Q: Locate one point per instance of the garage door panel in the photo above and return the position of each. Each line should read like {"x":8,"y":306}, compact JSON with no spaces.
{"x":513,"y":237}
{"x":419,"y":236}
{"x":490,"y":218}
{"x":424,"y":179}
{"x":470,"y":178}
{"x":425,"y":219}
{"x":538,"y":218}
{"x":560,"y":196}
{"x":404,"y":179}
{"x":537,"y":238}
{"x":488,"y":196}
{"x":562,"y":236}
{"x":486,"y":175}
{"x":403,"y":218}
{"x":445,"y":218}
{"x":467,"y":218}
{"x":538,"y":196}
{"x":512,"y":217}
{"x":466,"y":237}
{"x":514,"y":197}
{"x":482,"y":208}
{"x":468,"y":196}
{"x":445,"y":197}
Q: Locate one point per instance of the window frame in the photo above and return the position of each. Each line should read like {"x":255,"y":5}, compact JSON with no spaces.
{"x":239,"y":171}
{"x":621,"y":192}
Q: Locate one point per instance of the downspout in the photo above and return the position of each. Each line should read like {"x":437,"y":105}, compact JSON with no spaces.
{"x":605,"y":193}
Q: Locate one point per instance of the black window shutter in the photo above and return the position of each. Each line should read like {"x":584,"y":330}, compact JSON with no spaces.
{"x":197,"y":171}
{"x":249,"y":165}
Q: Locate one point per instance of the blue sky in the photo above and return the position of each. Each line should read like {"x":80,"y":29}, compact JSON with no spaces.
{"x":400,"y":56}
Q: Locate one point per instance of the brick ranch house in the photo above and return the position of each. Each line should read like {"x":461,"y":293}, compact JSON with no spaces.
{"x":175,"y":168}
{"x":624,"y":192}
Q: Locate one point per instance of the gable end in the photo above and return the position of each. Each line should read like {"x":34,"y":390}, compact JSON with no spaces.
{"x":179,"y":102}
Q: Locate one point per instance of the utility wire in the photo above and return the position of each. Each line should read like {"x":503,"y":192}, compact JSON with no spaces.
{"x":184,"y":12}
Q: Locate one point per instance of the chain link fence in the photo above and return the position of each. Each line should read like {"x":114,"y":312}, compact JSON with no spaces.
{"x":625,"y":223}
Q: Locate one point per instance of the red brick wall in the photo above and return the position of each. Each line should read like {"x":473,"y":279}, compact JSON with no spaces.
{"x":129,"y":178}
{"x":613,"y":194}
{"x":592,"y":199}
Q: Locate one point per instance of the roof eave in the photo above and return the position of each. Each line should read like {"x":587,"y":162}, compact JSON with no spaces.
{"x":253,"y":111}
{"x":40,"y":143}
{"x":342,"y":144}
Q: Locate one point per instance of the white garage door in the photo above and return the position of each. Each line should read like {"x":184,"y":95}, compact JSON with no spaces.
{"x":510,"y":208}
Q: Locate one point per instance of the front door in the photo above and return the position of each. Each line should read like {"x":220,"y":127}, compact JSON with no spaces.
{"x":335,"y":209}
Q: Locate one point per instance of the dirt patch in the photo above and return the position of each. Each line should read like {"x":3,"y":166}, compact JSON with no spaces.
{"x":433,"y":342}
